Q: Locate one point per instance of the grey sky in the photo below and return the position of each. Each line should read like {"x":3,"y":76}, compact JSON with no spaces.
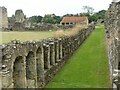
{"x":58,"y":7}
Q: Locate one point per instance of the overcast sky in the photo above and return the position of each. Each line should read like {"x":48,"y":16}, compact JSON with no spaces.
{"x":58,"y":7}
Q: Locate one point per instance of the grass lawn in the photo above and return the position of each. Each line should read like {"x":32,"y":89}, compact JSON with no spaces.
{"x":88,"y":67}
{"x":23,"y":36}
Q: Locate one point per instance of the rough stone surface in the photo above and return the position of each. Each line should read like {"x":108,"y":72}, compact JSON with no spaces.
{"x":19,"y":16}
{"x":112,"y":29}
{"x":32,"y":64}
{"x":3,"y":18}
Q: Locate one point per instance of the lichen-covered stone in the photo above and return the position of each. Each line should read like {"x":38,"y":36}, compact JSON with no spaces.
{"x":112,"y":29}
{"x":3,"y":18}
{"x":32,"y":64}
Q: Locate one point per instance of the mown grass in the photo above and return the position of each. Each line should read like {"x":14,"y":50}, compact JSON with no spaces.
{"x":37,"y":35}
{"x":25,"y":35}
{"x":87,"y":68}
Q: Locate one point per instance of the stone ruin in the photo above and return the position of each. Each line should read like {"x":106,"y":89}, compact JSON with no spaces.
{"x":19,"y":21}
{"x":112,"y":29}
{"x":3,"y":18}
{"x":19,"y":16}
{"x":32,"y":64}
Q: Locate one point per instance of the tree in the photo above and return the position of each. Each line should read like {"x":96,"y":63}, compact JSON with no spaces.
{"x":39,"y":18}
{"x":57,"y":19}
{"x":36,"y":19}
{"x":51,"y":18}
{"x":88,"y":10}
{"x":98,"y":15}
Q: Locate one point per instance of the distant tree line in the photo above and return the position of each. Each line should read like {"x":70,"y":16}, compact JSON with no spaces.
{"x":92,"y":16}
{"x":98,"y":15}
{"x":53,"y":19}
{"x":50,"y":18}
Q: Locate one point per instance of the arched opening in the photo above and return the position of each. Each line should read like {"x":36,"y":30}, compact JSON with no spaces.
{"x":19,"y":73}
{"x":30,"y":70}
{"x":119,"y":65}
{"x":40,"y":67}
{"x":2,"y":63}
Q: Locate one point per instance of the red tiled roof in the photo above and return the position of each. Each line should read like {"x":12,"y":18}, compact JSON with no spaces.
{"x":73,"y":18}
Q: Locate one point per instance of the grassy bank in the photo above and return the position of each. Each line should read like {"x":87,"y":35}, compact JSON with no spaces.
{"x":87,"y":68}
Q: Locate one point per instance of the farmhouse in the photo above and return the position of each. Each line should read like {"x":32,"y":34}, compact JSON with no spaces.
{"x":71,"y":20}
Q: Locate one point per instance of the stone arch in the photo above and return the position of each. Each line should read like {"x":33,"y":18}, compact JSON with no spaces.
{"x":31,"y":70}
{"x":40,"y":66}
{"x":19,"y":78}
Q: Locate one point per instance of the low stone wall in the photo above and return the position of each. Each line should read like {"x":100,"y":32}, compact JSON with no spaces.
{"x":112,"y":28}
{"x":32,"y":64}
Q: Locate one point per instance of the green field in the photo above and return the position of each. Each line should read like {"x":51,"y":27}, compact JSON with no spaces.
{"x":87,"y":68}
{"x":23,"y":36}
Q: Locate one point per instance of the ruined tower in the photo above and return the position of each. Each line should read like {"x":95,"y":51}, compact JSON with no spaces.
{"x":3,"y":17}
{"x":19,"y":16}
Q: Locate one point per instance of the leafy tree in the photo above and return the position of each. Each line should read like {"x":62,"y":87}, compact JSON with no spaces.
{"x":88,"y":11}
{"x":96,"y":16}
{"x":57,"y":19}
{"x":39,"y":18}
{"x":52,"y":18}
{"x":85,"y":14}
{"x":36,"y":19}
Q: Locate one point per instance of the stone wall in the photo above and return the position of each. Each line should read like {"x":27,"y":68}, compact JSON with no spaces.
{"x":112,"y":28}
{"x":32,"y":64}
{"x":3,"y":18}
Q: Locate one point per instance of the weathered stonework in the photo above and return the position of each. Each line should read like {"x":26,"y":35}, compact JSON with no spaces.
{"x":112,"y":29}
{"x":3,"y":18}
{"x":19,"y":16}
{"x":32,"y":64}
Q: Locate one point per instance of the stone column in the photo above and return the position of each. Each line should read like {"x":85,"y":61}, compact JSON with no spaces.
{"x":6,"y":71}
{"x":46,"y":56}
{"x":60,"y":49}
{"x":40,"y":67}
{"x":52,"y":53}
{"x":31,"y":70}
{"x":63,"y":48}
{"x":56,"y":51}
